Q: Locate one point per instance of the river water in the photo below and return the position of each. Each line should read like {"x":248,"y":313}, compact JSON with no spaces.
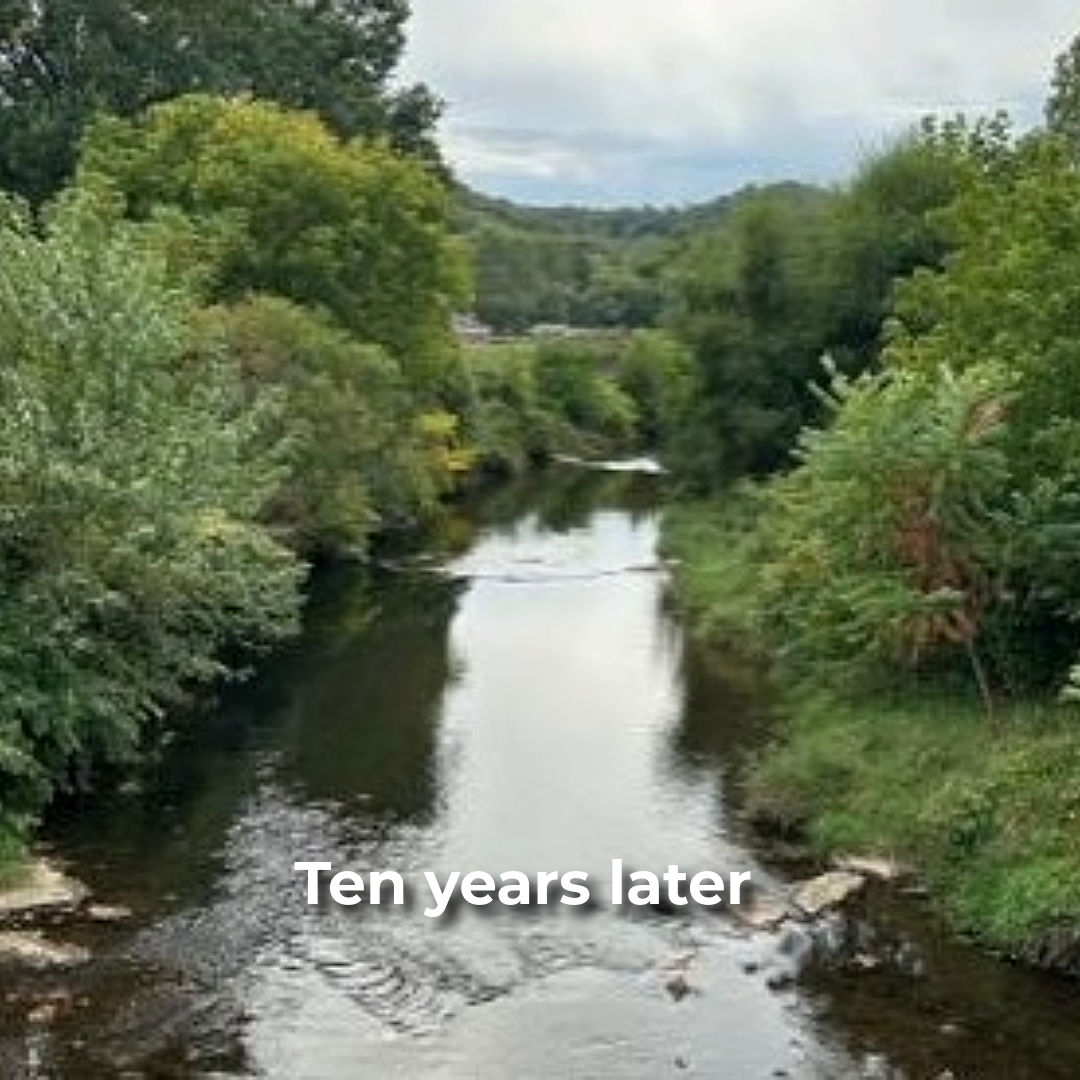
{"x":527,"y":703}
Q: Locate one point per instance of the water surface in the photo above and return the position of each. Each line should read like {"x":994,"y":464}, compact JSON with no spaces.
{"x":528,"y":704}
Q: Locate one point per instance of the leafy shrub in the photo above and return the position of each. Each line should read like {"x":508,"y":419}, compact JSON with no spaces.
{"x":358,"y":456}
{"x":278,"y":204}
{"x":131,"y":551}
{"x":583,"y":396}
{"x":531,"y":399}
{"x":887,"y":543}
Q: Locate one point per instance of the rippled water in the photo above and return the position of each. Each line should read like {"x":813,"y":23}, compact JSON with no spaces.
{"x":529,"y":705}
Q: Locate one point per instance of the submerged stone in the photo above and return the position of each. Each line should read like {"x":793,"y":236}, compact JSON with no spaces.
{"x":108,"y":913}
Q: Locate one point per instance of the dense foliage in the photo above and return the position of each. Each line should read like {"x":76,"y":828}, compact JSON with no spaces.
{"x":359,"y":457}
{"x":131,"y":551}
{"x":275,"y":203}
{"x":935,"y":511}
{"x":227,"y":350}
{"x":793,"y":276}
{"x":598,"y":269}
{"x":588,"y":397}
{"x":913,"y":564}
{"x":63,"y":61}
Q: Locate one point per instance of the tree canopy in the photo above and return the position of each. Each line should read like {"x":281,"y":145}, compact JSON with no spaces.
{"x":1063,"y":108}
{"x":63,"y":61}
{"x":276,"y":203}
{"x":131,"y":546}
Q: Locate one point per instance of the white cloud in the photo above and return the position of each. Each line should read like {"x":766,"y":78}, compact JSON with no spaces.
{"x":557,"y":93}
{"x":487,"y":152}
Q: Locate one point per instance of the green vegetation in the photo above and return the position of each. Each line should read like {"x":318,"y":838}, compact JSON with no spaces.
{"x":590,"y":397}
{"x":276,"y":203}
{"x":229,"y":261}
{"x":714,"y":543}
{"x":130,"y":542}
{"x":353,"y":467}
{"x":228,"y":353}
{"x":986,"y":810}
{"x":64,"y":61}
{"x":794,"y":277}
{"x":598,"y":269}
{"x":990,"y":817}
{"x":909,"y":561}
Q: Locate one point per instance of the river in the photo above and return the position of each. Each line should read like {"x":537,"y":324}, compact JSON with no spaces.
{"x":528,"y":702}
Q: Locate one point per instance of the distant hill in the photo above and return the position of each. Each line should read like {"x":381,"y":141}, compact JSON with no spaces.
{"x":586,"y":267}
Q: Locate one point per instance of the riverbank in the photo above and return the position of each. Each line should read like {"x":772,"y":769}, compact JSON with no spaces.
{"x":986,"y":810}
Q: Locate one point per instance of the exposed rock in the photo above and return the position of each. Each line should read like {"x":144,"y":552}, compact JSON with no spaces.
{"x":643,"y":466}
{"x":48,"y":1009}
{"x":45,"y":1012}
{"x":677,"y":984}
{"x":877,"y":1067}
{"x":880,"y":868}
{"x":107,"y":913}
{"x":682,"y":962}
{"x":828,"y":891}
{"x":42,"y":887}
{"x":31,"y":947}
{"x":763,"y":912}
{"x":796,"y":943}
{"x":915,"y":891}
{"x":865,"y":962}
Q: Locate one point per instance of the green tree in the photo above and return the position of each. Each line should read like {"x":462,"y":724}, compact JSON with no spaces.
{"x":941,"y":507}
{"x":889,"y":541}
{"x":1063,"y":107}
{"x":575,"y":381}
{"x":887,"y":225}
{"x":656,"y":372}
{"x":277,"y":204}
{"x":358,"y":455}
{"x":508,"y":424}
{"x":794,"y":275}
{"x":131,"y":552}
{"x":751,"y":304}
{"x":1008,"y":296}
{"x":62,"y":61}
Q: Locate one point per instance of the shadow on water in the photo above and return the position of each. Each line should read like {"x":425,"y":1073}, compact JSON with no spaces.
{"x":344,"y":718}
{"x":937,"y":1004}
{"x":538,"y":702}
{"x":357,"y":716}
{"x":343,"y":721}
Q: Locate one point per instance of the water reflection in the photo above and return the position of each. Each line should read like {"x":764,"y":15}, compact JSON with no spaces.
{"x":535,"y":709}
{"x":358,"y":714}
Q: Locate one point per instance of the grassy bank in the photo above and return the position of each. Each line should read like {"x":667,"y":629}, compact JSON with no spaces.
{"x":987,"y":811}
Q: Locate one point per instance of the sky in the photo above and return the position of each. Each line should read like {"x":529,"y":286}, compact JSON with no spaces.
{"x":627,"y":102}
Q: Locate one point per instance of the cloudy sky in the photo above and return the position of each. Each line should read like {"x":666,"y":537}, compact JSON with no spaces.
{"x":666,"y":101}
